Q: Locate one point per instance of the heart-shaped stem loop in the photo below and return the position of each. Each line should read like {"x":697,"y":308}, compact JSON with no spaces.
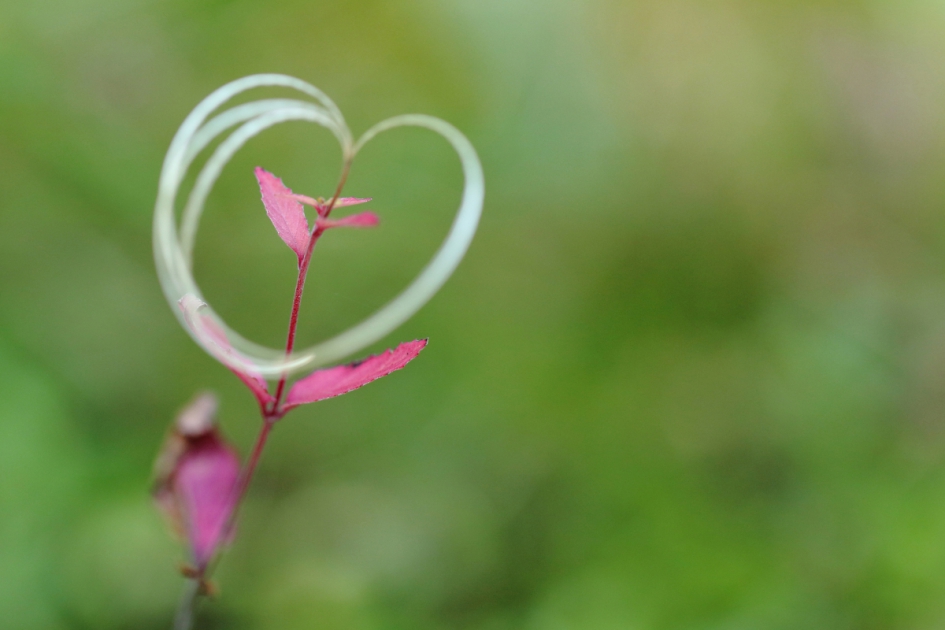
{"x":173,"y":247}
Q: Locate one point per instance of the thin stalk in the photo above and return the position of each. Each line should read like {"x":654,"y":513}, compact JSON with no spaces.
{"x":300,"y":284}
{"x":184,"y":619}
{"x":247,"y":475}
{"x":185,"y":612}
{"x":296,"y":305}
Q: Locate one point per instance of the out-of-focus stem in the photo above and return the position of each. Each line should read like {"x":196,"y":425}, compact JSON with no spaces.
{"x":184,"y":619}
{"x":250,"y":469}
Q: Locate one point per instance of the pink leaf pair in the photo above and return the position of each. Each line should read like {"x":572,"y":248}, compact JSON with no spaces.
{"x":318,"y":385}
{"x":196,"y":479}
{"x":284,"y":209}
{"x":341,"y":379}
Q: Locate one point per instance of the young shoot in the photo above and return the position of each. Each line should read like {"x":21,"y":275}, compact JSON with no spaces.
{"x":199,"y":481}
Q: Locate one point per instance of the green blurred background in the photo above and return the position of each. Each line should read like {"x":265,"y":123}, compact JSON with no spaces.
{"x":690,"y":375}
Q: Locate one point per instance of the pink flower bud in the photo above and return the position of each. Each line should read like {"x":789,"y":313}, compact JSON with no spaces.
{"x":196,"y":479}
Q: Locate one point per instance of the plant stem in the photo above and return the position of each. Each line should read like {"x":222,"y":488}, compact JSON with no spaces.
{"x":246,"y":475}
{"x":250,"y":469}
{"x":296,"y":305}
{"x":300,"y":284}
{"x":184,"y":618}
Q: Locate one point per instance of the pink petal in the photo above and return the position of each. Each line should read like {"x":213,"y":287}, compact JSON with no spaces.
{"x":360,"y":220}
{"x":342,"y":379}
{"x":285,"y":212}
{"x":209,"y":331}
{"x":205,"y":487}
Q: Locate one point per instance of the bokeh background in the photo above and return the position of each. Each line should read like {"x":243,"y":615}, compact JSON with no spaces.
{"x":691,"y":374}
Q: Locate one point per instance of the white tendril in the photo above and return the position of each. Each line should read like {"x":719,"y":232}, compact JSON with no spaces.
{"x":173,"y":248}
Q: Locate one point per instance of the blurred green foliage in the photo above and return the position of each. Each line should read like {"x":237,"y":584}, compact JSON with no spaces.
{"x":690,"y":376}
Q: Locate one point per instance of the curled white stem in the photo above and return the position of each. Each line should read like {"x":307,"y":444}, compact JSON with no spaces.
{"x":173,"y":247}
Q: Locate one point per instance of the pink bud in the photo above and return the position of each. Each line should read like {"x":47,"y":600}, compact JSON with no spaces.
{"x":196,"y":477}
{"x":205,"y":486}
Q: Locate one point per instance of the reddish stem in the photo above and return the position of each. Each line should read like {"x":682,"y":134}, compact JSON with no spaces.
{"x":275,"y":412}
{"x":296,"y":305}
{"x":299,"y":287}
{"x":254,"y":457}
{"x":246,"y":475}
{"x":270,"y":415}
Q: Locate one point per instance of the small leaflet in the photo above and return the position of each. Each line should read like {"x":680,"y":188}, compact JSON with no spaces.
{"x":341,"y":202}
{"x":321,"y":206}
{"x":360,"y":220}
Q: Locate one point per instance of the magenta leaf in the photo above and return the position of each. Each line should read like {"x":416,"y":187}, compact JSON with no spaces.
{"x":257,"y":385}
{"x":285,"y":211}
{"x":204,"y":485}
{"x":360,"y":220}
{"x":342,"y":379}
{"x":209,"y":331}
{"x":341,"y":202}
{"x":321,"y":206}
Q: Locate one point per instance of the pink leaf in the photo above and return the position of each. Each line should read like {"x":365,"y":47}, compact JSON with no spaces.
{"x":342,"y":379}
{"x":285,"y":212}
{"x":341,"y":202}
{"x":257,"y":385}
{"x":321,"y":206}
{"x":350,"y":201}
{"x":210,"y":332}
{"x":205,"y":485}
{"x":360,"y":220}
